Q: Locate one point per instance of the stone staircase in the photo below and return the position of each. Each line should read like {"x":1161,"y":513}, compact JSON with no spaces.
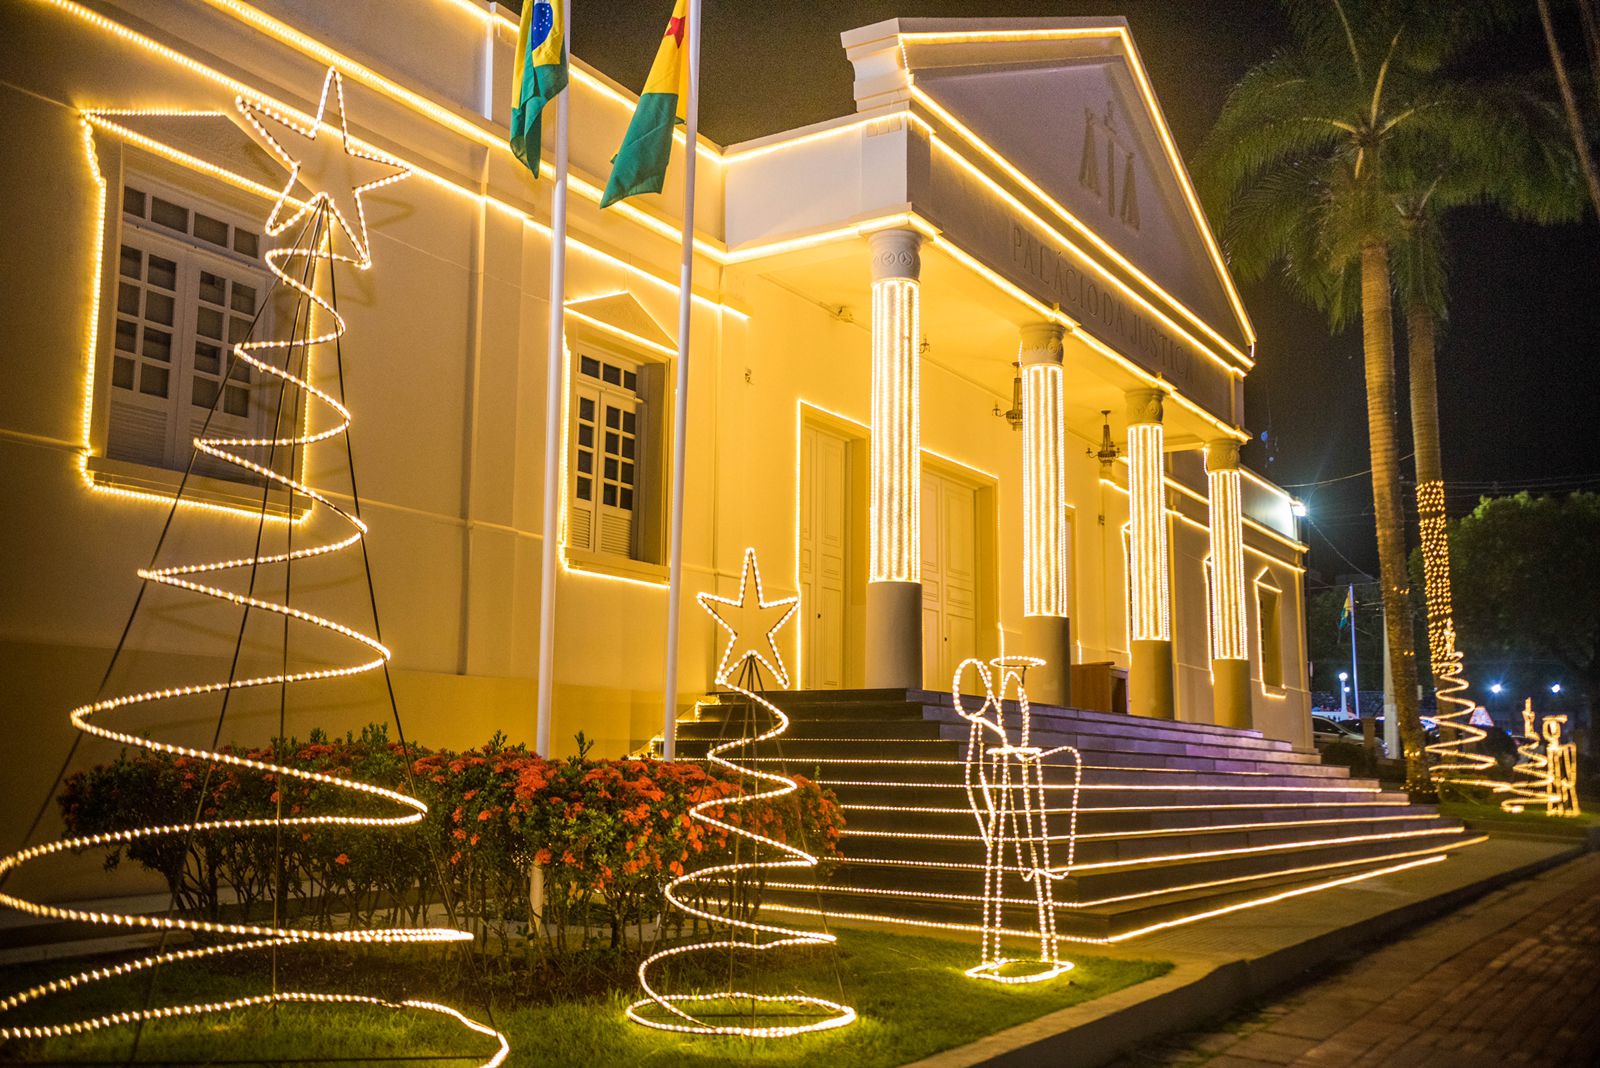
{"x":1175,"y":820}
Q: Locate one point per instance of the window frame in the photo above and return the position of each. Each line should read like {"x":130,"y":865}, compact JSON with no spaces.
{"x":122,"y":165}
{"x":646,"y":559}
{"x":1270,"y":646}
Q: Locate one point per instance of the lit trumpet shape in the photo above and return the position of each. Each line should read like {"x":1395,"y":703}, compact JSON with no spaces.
{"x":319,"y":325}
{"x":685,"y":1012}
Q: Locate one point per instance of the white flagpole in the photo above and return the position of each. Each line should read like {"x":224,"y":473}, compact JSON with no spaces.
{"x":555,"y":395}
{"x":680,"y":408}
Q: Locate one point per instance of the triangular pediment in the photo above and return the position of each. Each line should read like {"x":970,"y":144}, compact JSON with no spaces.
{"x":621,"y":313}
{"x":1067,"y":103}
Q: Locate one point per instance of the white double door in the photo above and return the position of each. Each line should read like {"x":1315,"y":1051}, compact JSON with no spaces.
{"x":950,"y":554}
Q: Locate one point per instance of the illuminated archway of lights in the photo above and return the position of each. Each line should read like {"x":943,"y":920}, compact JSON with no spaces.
{"x":1008,"y":801}
{"x":208,"y":579}
{"x":1548,"y":769}
{"x":678,"y":1011}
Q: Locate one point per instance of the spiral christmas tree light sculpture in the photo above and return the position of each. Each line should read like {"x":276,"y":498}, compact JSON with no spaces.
{"x":1458,"y":762}
{"x":686,"y":1012}
{"x":296,"y":266}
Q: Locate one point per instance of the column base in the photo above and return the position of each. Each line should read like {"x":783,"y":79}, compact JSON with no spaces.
{"x":1230,"y":694}
{"x":1050,"y":639}
{"x":894,"y":635}
{"x":1150,"y":691}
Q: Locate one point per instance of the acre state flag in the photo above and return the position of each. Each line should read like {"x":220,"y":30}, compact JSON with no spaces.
{"x":539,"y":74}
{"x":640,"y":165}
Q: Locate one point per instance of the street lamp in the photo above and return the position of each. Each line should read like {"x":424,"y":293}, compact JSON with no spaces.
{"x":1495,"y":688}
{"x":1344,"y":708}
{"x":1555,"y":687}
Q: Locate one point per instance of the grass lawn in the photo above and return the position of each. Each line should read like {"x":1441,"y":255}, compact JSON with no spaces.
{"x":1488,"y":816}
{"x":908,"y":990}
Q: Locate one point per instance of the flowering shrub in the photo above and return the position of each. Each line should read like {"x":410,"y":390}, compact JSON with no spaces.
{"x":603,"y":835}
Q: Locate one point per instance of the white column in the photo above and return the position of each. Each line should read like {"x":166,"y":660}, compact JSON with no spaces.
{"x":1046,"y":554}
{"x":894,"y":588}
{"x":1150,"y":691}
{"x":1230,"y":649}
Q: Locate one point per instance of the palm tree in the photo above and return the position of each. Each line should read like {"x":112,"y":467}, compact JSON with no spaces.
{"x":1308,"y":168}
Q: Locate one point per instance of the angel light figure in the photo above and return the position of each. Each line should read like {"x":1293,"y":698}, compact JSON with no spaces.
{"x":1563,"y":764}
{"x":1005,"y":787}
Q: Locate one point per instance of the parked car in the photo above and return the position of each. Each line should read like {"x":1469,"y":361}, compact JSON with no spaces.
{"x":1326,"y":730}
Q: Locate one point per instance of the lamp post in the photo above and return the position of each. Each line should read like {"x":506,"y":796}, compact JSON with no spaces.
{"x":1344,"y":690}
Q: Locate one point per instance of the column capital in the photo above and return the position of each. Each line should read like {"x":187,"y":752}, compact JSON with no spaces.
{"x":1222,"y":455}
{"x":895,"y":254}
{"x":1041,"y":343}
{"x":1144,"y":406}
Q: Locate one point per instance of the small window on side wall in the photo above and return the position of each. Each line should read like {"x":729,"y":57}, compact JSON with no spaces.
{"x":1269,"y":626}
{"x":614,"y":488}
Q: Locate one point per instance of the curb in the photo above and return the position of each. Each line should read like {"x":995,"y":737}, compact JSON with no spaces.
{"x":1195,"y":993}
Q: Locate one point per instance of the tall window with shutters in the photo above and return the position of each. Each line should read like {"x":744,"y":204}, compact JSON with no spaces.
{"x":610,"y":438}
{"x":190,"y":283}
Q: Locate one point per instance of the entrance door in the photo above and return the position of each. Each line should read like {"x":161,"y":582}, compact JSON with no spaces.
{"x":824,"y":556}
{"x":949,"y":577}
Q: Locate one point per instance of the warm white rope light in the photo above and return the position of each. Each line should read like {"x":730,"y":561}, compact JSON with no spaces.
{"x":1151,"y":602}
{"x":895,"y":505}
{"x":1004,"y":783}
{"x":1228,"y":625}
{"x":680,"y":1009}
{"x":233,"y":450}
{"x":1044,"y":491}
{"x":1548,"y":769}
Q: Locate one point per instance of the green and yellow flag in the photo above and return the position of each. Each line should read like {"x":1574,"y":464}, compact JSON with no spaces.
{"x":640,"y":165}
{"x":540,"y":73}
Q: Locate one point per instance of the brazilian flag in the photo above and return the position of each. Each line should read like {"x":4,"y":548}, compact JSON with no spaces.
{"x":540,"y":73}
{"x":640,"y":165}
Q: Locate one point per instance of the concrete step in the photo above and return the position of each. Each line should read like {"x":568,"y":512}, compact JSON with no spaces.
{"x":958,"y":818}
{"x":855,"y":791}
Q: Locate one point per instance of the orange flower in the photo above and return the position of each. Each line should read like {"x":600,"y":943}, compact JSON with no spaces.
{"x":342,"y":859}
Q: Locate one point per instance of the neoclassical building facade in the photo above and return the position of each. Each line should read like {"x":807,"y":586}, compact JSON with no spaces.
{"x":967,"y":366}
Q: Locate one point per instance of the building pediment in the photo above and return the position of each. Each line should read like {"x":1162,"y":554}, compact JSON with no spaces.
{"x":1067,"y":104}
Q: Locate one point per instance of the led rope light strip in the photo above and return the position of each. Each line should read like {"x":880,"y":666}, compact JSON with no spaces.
{"x":679,"y":1018}
{"x":997,"y":772}
{"x":1152,"y":607}
{"x":1549,"y":775}
{"x":1046,"y":564}
{"x":1229,"y":628}
{"x":1126,"y":935}
{"x":318,"y":249}
{"x":895,"y":511}
{"x":1084,"y":903}
{"x":1083,"y":836}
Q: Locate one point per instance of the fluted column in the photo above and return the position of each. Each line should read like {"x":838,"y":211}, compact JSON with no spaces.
{"x":894,"y":587}
{"x":1046,"y":556}
{"x":1230,"y":649}
{"x":1150,"y":690}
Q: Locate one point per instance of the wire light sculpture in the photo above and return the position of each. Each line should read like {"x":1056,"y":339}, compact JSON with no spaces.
{"x":218,"y":580}
{"x":1004,"y":780}
{"x":1547,"y":768}
{"x":1459,"y":761}
{"x":687,"y":1012}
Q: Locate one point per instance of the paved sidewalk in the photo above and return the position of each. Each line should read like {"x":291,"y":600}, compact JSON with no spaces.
{"x":1512,"y":979}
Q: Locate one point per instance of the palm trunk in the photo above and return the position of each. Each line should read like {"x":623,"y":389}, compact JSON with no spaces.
{"x":1377,"y":337}
{"x":1420,"y":344}
{"x":1569,"y":102}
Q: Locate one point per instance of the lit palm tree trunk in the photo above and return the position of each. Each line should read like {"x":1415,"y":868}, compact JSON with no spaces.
{"x":1420,"y":343}
{"x":1569,"y":104}
{"x":1377,"y":336}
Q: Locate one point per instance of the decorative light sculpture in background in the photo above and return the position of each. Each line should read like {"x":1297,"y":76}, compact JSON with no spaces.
{"x":340,"y":202}
{"x":1548,"y":768}
{"x":685,"y":1012}
{"x":1004,"y":780}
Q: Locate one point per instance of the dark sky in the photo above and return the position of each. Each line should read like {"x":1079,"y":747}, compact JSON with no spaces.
{"x":1516,"y":380}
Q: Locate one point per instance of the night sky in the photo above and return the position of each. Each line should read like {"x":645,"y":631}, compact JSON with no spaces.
{"x":1516,"y":379}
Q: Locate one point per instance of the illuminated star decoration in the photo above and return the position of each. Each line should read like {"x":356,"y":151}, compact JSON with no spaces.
{"x":744,"y":615}
{"x":334,"y":171}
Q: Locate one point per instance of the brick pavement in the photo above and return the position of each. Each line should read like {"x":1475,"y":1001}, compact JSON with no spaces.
{"x":1512,"y":979}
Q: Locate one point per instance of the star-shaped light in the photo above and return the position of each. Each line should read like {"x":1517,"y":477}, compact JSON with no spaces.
{"x":745,"y":615}
{"x":333,"y":170}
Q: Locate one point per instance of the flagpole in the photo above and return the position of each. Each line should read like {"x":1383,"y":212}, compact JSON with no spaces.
{"x":1355,"y":671}
{"x":680,"y":407}
{"x":555,"y":395}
